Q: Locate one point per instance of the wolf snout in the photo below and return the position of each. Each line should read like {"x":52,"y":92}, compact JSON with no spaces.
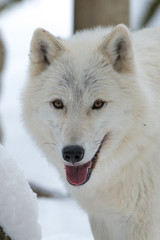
{"x":73,"y":153}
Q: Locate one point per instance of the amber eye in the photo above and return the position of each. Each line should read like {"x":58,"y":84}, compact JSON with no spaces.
{"x":58,"y":104}
{"x":98,"y":104}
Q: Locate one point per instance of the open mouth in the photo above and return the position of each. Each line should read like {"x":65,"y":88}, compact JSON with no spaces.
{"x":78,"y":175}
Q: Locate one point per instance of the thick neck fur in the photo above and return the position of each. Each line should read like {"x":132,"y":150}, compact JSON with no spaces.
{"x":126,"y":198}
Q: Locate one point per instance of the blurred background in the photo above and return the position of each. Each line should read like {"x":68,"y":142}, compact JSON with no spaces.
{"x":59,"y":215}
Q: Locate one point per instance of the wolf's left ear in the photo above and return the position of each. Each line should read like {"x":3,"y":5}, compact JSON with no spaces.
{"x":118,"y":48}
{"x":44,"y":49}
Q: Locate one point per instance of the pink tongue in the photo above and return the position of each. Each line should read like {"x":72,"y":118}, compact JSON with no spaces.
{"x":77,"y":175}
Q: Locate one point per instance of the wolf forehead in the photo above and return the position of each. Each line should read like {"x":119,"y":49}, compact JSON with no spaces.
{"x":67,"y":83}
{"x":80,"y":60}
{"x":88,"y":77}
{"x":83,"y":60}
{"x":77,"y":73}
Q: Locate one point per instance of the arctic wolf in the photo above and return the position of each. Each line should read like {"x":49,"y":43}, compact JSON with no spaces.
{"x":92,"y":103}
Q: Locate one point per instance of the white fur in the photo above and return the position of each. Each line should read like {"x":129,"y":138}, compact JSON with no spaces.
{"x":122,"y":196}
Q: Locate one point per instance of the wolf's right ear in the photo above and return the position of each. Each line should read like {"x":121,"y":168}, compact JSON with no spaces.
{"x":44,"y":49}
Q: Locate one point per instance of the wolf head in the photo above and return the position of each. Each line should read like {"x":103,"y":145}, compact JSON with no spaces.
{"x":83,"y":100}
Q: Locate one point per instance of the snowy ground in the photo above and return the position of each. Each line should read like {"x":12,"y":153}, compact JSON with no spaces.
{"x":60,"y":219}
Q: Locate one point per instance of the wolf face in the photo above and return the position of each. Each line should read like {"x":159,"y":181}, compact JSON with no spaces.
{"x":79,"y":104}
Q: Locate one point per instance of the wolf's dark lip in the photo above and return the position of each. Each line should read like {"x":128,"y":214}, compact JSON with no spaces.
{"x":79,"y":175}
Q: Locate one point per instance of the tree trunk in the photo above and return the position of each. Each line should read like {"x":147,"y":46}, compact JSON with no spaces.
{"x":90,"y":13}
{"x":2,"y":54}
{"x":2,"y":59}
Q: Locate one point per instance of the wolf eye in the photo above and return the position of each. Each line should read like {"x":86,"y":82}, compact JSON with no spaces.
{"x":98,"y":104}
{"x":58,"y":104}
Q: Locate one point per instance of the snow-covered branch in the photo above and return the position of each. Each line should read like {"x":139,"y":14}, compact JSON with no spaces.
{"x":18,"y":204}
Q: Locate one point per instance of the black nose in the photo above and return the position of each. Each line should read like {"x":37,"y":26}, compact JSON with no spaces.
{"x":73,"y":153}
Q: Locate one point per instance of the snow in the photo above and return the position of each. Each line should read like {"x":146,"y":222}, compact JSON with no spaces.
{"x":63,"y":219}
{"x":18,"y":204}
{"x":60,"y":219}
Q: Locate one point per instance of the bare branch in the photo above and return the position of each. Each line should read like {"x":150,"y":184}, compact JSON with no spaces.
{"x":150,"y":12}
{"x":43,"y":192}
{"x":3,"y":236}
{"x":7,"y":4}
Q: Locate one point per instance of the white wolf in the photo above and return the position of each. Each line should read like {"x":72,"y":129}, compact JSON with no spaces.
{"x":92,"y":105}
